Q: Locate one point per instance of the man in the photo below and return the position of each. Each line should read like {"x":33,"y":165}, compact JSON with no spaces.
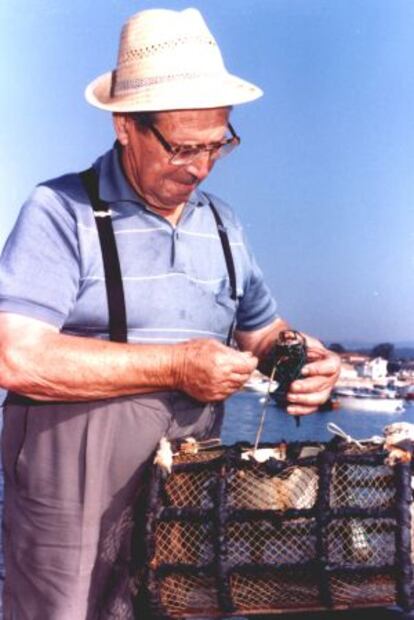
{"x":84,"y":414}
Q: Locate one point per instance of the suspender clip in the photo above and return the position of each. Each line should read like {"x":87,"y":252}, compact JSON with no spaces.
{"x":107,"y":213}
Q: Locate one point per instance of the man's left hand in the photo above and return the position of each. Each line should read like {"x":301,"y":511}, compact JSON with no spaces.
{"x":319,"y":374}
{"x":318,"y":377}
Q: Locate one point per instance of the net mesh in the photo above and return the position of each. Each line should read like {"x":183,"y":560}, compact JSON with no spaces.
{"x":362,"y":486}
{"x":184,"y":543}
{"x":188,"y":594}
{"x":370,"y":542}
{"x":266,"y":542}
{"x":286,"y":591}
{"x":293,"y":488}
{"x":190,"y":489}
{"x":233,"y":536}
{"x":363,"y":590}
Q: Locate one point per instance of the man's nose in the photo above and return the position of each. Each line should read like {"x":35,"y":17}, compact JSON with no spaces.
{"x":201,"y":165}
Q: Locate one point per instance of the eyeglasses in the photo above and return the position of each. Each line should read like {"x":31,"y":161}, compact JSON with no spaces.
{"x":185,"y":154}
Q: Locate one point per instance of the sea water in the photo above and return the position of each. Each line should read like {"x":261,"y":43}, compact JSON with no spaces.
{"x":241,"y":422}
{"x":244,"y":409}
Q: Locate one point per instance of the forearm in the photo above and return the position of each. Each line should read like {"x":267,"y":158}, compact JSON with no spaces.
{"x":62,"y":367}
{"x":259,"y":342}
{"x":38,"y":361}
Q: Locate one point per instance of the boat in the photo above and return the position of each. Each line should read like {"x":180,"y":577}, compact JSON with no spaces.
{"x":408,"y":392}
{"x":381,"y":400}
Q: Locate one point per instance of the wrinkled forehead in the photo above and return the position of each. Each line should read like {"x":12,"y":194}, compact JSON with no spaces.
{"x":196,"y":119}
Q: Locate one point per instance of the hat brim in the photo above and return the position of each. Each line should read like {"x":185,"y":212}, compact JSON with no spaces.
{"x":179,"y":94}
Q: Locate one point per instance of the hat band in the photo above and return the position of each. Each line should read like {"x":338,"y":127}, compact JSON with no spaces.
{"x":123,"y":86}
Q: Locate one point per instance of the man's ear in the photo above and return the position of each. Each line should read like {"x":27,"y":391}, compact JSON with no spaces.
{"x":121,"y":126}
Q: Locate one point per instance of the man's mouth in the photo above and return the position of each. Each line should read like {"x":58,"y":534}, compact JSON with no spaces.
{"x":189,"y":180}
{"x":187,"y":186}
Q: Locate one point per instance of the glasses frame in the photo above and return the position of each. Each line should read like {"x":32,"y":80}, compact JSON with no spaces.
{"x":177,"y":151}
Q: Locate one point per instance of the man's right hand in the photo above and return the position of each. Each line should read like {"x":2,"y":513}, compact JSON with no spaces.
{"x":210,"y":371}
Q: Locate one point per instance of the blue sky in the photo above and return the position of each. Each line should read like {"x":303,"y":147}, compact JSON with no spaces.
{"x":324,"y":178}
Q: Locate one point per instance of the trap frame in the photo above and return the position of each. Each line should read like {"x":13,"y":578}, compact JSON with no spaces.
{"x":324,"y":527}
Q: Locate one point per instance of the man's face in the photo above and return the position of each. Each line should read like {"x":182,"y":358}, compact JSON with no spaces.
{"x":161,"y":183}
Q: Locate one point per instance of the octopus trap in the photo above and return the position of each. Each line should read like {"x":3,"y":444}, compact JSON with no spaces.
{"x":294,"y":527}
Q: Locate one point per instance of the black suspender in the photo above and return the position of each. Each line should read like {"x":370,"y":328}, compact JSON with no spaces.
{"x":228,"y":257}
{"x":225,"y":243}
{"x":112,"y":269}
{"x":113,"y":279}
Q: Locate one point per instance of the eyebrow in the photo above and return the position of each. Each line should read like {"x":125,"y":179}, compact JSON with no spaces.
{"x":198,"y":144}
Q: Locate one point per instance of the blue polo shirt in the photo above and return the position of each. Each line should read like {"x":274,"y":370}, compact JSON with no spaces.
{"x":175,"y":278}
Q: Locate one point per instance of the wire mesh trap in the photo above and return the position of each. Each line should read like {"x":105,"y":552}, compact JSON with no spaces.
{"x":314,"y":527}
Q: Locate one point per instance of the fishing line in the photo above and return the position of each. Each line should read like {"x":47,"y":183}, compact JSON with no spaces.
{"x":264,"y":409}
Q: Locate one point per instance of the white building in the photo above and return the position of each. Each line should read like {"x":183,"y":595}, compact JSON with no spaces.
{"x":375,"y":369}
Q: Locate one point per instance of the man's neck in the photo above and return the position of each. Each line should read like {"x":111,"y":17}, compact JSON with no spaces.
{"x":171,"y":214}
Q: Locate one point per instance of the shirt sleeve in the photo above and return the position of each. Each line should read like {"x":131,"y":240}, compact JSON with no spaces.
{"x":39,"y":265}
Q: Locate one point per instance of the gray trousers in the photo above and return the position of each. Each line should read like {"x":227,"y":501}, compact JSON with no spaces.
{"x":73,"y":473}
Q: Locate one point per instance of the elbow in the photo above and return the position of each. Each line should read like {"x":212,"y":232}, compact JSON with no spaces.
{"x":13,"y":369}
{"x":24,"y":344}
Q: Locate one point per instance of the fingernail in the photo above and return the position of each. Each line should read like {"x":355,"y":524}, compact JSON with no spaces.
{"x":292,"y":411}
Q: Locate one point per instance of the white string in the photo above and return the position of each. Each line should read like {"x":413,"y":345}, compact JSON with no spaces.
{"x":264,"y":409}
{"x":337,"y":430}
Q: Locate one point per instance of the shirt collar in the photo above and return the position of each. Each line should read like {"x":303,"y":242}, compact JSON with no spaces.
{"x":114,"y":187}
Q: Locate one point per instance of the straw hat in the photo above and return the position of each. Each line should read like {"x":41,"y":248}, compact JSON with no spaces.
{"x":168,"y":60}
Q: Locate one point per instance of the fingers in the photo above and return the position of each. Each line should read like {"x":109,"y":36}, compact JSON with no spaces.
{"x":301,"y":410}
{"x":220,"y":390}
{"x":319,"y":376}
{"x":321,"y":362}
{"x":327,"y":367}
{"x":304,"y":402}
{"x":310,"y":393}
{"x":319,"y":383}
{"x":210,"y":371}
{"x":243,"y":362}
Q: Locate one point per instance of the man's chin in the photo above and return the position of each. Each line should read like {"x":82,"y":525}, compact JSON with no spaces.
{"x":173,"y":202}
{"x":176,"y":197}
{"x":182,"y":195}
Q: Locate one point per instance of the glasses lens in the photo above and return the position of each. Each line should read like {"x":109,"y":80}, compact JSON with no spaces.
{"x":185,"y":156}
{"x":217,"y":151}
{"x":226,"y":149}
